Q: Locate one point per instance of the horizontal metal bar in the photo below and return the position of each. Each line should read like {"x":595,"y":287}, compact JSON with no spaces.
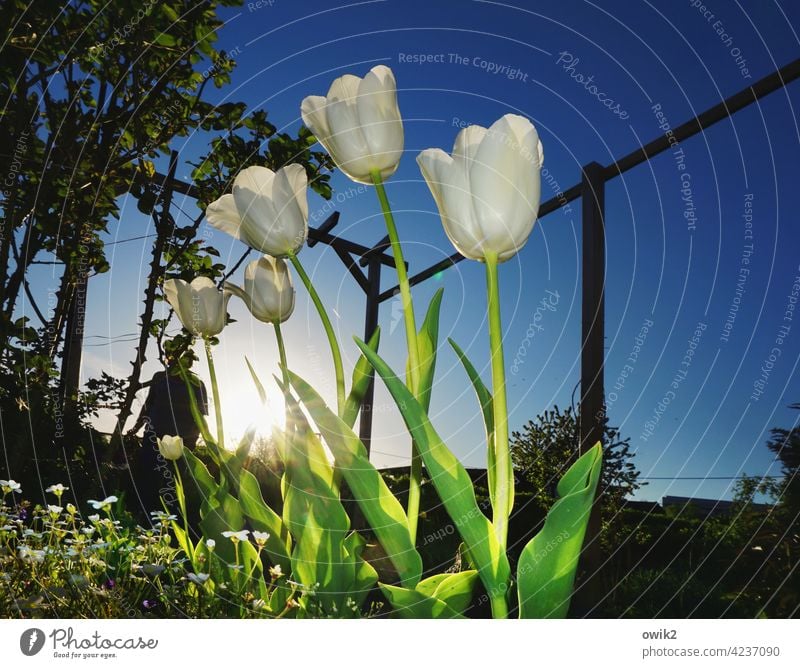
{"x":327,"y":225}
{"x":551,"y":205}
{"x":725,"y":109}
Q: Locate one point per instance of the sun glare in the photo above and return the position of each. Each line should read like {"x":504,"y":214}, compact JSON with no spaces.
{"x":242,"y":411}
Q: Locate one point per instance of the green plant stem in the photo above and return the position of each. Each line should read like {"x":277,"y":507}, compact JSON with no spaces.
{"x":503,"y":479}
{"x":215,"y":393}
{"x":499,"y":606}
{"x":326,"y":323}
{"x":409,"y":320}
{"x":199,"y":419}
{"x":182,"y":505}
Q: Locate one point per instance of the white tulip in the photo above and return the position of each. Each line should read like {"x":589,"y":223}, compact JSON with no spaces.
{"x":170,"y":447}
{"x":268,"y":210}
{"x":359,"y":123}
{"x":268,"y":290}
{"x":199,"y":305}
{"x":488,"y":191}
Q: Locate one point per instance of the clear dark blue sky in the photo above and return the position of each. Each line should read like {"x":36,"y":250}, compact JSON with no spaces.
{"x":489,"y":59}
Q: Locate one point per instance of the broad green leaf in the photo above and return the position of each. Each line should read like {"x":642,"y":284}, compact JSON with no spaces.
{"x":380,"y":507}
{"x":234,"y":463}
{"x":218,"y":515}
{"x":485,"y":400}
{"x":203,"y":479}
{"x":263,"y":518}
{"x":456,"y":590}
{"x":411,"y":604}
{"x":362,"y":374}
{"x":547,"y":565}
{"x":316,"y":519}
{"x":451,"y":481}
{"x":428,"y":585}
{"x":427,"y":343}
{"x":365,"y":576}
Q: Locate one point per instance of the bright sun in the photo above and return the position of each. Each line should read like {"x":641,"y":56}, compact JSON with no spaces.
{"x":242,"y":410}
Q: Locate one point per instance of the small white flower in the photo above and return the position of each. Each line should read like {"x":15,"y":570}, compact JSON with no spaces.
{"x":236,"y":536}
{"x":261,"y":537}
{"x":58,"y":489}
{"x":100,"y":505}
{"x":88,"y":530}
{"x":54,"y":510}
{"x":9,"y":486}
{"x":275,"y":571}
{"x":198,"y":578}
{"x":211,"y":543}
{"x":94,"y":518}
{"x":259,"y":604}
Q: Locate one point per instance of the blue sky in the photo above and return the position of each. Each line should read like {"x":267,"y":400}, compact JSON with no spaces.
{"x":485,"y":59}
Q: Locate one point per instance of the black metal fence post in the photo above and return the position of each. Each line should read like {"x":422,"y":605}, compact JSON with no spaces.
{"x":370,"y":325}
{"x":592,"y":406}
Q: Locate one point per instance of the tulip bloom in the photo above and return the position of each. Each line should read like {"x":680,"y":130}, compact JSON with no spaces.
{"x":359,"y":124}
{"x":268,"y":291}
{"x":200,"y":307}
{"x":171,"y":447}
{"x":488,"y":191}
{"x":268,"y":210}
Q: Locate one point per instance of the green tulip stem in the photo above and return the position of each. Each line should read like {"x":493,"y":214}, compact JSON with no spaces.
{"x":413,"y":347}
{"x":282,"y":353}
{"x":215,"y":393}
{"x":284,"y":367}
{"x":199,"y":419}
{"x":326,"y":323}
{"x":503,"y":481}
{"x":182,"y":505}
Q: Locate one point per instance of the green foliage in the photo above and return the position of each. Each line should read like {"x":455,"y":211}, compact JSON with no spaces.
{"x":546,"y":569}
{"x":549,"y":444}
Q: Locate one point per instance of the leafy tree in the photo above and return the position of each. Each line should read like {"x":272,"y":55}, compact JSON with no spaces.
{"x":548,"y":445}
{"x":95,"y":96}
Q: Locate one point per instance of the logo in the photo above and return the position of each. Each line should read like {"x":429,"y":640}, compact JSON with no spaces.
{"x":31,"y":641}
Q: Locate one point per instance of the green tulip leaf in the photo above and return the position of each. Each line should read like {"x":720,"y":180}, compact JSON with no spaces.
{"x":456,"y":590}
{"x":485,"y":400}
{"x":411,"y":604}
{"x":262,"y":395}
{"x":200,"y":474}
{"x":315,"y":518}
{"x":547,"y":565}
{"x":451,"y":481}
{"x":263,"y":518}
{"x":427,"y":342}
{"x":366,"y":577}
{"x":362,"y":375}
{"x":380,"y":507}
{"x":218,"y":514}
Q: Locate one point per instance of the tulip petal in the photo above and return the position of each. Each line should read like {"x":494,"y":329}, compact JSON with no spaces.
{"x":450,"y":188}
{"x":179,"y":296}
{"x":380,"y":118}
{"x":252,"y":192}
{"x":350,"y":148}
{"x":223,"y":215}
{"x":314,"y":116}
{"x":290,"y":202}
{"x":505,"y":182}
